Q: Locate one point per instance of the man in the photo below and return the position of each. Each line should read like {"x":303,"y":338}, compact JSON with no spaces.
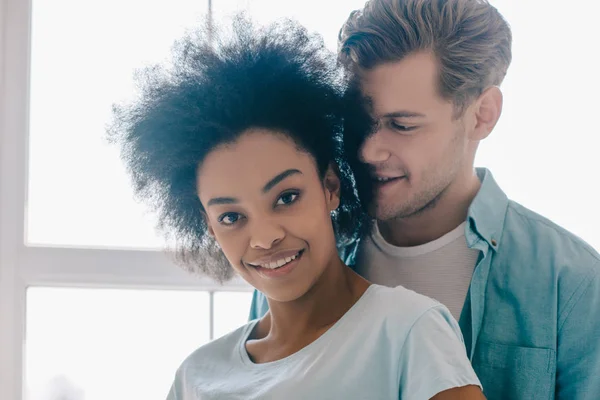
{"x":525,"y":291}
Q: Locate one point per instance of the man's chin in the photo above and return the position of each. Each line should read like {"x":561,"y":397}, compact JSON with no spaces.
{"x":383,"y":214}
{"x":384,"y":211}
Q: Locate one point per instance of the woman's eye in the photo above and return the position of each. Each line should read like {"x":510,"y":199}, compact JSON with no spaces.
{"x":229,"y":218}
{"x":287,"y":198}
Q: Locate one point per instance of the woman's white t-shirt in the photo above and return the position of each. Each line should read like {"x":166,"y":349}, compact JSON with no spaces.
{"x":392,"y":344}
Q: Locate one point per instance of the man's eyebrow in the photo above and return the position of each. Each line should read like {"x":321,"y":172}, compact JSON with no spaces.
{"x":403,"y":114}
{"x":222,"y":200}
{"x":269,"y":185}
{"x":368,"y":101}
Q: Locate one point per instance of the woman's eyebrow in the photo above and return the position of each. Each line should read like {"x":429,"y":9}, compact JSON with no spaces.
{"x":222,"y":200}
{"x":269,"y":185}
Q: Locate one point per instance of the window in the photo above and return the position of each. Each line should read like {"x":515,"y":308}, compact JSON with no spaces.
{"x":120,"y":344}
{"x":110,"y":344}
{"x":83,"y":56}
{"x":72,"y":238}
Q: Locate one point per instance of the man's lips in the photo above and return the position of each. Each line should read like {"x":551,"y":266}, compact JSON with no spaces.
{"x":385,"y":179}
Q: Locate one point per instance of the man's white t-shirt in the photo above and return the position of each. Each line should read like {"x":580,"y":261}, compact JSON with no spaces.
{"x":440,"y":269}
{"x":392,"y":344}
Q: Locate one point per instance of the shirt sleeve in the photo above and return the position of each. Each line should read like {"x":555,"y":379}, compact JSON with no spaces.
{"x":578,"y":355}
{"x":181,"y":388}
{"x":434,"y":357}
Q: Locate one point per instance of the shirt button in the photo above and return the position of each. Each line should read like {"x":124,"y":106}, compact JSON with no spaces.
{"x":494,"y":243}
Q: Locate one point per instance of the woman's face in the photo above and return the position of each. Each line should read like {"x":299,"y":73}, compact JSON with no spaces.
{"x":270,"y":212}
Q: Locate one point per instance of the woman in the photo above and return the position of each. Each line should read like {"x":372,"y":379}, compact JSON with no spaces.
{"x":237,"y":146}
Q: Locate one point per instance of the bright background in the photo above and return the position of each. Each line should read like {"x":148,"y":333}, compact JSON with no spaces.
{"x":102,"y":340}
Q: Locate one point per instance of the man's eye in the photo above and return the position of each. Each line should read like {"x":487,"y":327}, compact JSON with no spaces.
{"x":287,"y":198}
{"x":400,"y":127}
{"x":229,"y":218}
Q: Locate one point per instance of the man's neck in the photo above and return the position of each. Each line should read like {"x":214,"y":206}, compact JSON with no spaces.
{"x":448,"y":212}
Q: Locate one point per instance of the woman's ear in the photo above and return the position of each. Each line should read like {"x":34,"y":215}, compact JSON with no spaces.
{"x":332,"y":187}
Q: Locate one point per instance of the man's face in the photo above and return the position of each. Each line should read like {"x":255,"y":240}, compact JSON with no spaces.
{"x":419,"y":147}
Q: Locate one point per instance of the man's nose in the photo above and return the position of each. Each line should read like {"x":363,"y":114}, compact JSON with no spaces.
{"x":374,"y":149}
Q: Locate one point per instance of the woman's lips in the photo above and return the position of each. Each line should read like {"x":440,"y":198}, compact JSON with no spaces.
{"x":279,"y":256}
{"x":282,"y":270}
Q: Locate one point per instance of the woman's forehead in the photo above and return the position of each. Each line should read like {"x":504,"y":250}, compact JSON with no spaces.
{"x":251,"y":161}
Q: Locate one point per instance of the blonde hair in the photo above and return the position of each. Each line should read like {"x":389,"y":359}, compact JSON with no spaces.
{"x":470,"y":39}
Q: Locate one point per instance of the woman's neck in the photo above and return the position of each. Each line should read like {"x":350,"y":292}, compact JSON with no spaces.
{"x":290,"y":326}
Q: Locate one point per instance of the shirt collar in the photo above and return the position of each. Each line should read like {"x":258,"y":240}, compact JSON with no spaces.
{"x":487,"y":212}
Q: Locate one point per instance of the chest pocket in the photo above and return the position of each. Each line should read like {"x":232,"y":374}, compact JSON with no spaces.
{"x":515,"y":373}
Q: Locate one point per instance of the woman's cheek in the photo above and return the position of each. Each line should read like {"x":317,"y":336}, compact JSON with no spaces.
{"x":307,"y":225}
{"x":230,"y":243}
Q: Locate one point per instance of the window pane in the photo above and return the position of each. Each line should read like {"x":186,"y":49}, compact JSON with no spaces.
{"x":231,"y":310}
{"x":99,"y":344}
{"x":84,"y":54}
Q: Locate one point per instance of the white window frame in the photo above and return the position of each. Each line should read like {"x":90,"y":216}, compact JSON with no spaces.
{"x":22,"y":266}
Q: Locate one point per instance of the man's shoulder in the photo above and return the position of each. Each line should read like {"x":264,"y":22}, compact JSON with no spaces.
{"x":545,"y":257}
{"x":537,"y":234}
{"x":525,"y":234}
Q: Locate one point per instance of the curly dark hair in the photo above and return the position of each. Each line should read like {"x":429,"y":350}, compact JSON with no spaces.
{"x":218,"y":86}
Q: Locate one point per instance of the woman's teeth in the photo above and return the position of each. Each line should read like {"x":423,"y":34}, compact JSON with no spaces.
{"x":279,"y":263}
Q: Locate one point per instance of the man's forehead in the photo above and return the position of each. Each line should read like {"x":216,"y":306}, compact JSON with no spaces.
{"x":407,"y":85}
{"x":421,"y":64}
{"x":387,"y":100}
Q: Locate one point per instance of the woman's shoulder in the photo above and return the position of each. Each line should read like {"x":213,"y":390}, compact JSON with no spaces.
{"x":400,"y":308}
{"x":401,"y":300}
{"x":222,"y":350}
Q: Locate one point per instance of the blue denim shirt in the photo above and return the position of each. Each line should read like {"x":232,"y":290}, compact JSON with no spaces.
{"x":531,"y":319}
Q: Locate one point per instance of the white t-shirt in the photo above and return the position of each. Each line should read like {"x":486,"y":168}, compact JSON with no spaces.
{"x":440,"y":269}
{"x":392,"y":344}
